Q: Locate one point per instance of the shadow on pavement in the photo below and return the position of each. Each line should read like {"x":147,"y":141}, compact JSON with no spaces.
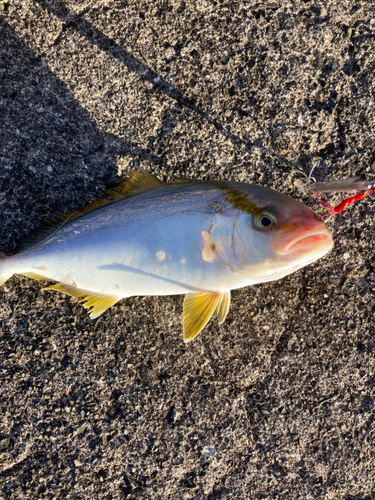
{"x":104,"y":43}
{"x":53,"y":157}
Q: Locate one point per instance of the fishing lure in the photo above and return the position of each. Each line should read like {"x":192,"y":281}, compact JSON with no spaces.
{"x":362,"y":189}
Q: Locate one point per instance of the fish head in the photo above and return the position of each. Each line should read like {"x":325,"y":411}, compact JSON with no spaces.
{"x":271,"y":236}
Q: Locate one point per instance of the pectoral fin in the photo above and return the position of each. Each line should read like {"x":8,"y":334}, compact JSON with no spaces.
{"x":208,"y":247}
{"x":96,"y":303}
{"x":198,"y":309}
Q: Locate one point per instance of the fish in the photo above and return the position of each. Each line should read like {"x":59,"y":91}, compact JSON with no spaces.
{"x":197,"y":238}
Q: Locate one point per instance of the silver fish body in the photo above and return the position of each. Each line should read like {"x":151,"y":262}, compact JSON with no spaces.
{"x":146,"y":245}
{"x":192,"y":238}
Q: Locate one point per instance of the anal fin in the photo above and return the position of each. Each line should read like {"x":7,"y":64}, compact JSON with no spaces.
{"x":35,"y":276}
{"x":96,"y":303}
{"x":199,"y":308}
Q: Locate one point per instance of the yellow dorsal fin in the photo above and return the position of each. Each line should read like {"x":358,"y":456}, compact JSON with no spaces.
{"x":95,"y":302}
{"x":136,"y":183}
{"x":197,"y":312}
{"x":181,"y":180}
{"x":223,"y":306}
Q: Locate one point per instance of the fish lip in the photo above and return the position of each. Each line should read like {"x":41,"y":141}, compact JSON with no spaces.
{"x":311,"y":239}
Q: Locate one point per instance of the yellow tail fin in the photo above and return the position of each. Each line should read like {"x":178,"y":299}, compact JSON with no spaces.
{"x":3,"y":274}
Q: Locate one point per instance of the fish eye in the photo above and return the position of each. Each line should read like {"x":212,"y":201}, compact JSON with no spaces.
{"x":265,"y":219}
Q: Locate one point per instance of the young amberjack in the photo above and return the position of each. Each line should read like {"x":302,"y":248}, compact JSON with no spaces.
{"x":199,"y":238}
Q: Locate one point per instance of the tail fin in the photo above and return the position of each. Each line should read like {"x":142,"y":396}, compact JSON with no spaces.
{"x":3,"y":274}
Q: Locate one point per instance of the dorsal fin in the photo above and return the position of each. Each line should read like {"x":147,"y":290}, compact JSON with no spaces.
{"x":136,"y":183}
{"x":181,"y":180}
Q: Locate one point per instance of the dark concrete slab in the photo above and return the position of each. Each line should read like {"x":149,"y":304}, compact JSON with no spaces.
{"x":278,"y":402}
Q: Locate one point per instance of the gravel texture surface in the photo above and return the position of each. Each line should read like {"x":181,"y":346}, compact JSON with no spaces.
{"x":276,"y":403}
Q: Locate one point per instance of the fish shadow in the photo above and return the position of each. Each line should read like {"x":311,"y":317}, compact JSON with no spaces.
{"x":53,"y":157}
{"x":78,"y":23}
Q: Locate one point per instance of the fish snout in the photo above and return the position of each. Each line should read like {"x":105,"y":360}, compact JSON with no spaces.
{"x":313,"y":238}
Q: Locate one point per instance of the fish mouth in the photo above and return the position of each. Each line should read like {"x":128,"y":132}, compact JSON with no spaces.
{"x":310,"y":240}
